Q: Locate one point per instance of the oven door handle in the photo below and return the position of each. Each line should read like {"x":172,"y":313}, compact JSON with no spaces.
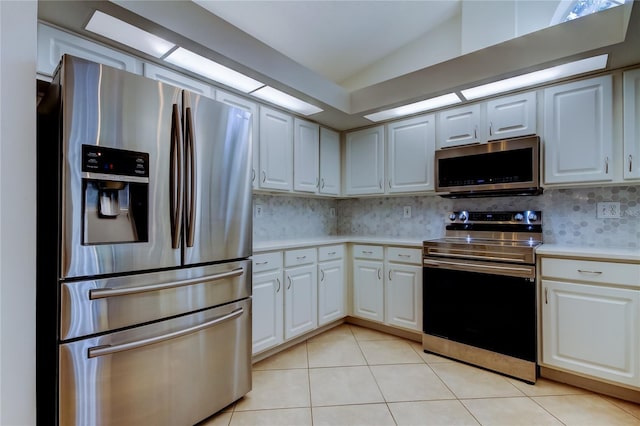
{"x":508,"y":270}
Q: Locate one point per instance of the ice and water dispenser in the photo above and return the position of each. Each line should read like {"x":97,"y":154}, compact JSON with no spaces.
{"x":115,"y":186}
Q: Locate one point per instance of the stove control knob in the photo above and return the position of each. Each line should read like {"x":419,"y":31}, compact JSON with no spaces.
{"x":462,"y":216}
{"x":452,"y":217}
{"x":532,"y":217}
{"x":518,"y":217}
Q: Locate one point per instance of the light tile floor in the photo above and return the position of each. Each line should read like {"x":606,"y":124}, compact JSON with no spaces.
{"x":352,"y":375}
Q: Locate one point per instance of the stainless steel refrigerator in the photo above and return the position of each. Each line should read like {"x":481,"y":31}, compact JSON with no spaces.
{"x":144,"y":233}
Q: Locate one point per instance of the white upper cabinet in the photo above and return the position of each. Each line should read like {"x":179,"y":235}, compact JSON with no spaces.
{"x":410,"y":152}
{"x":631,"y":150}
{"x":459,"y":126}
{"x":511,"y":116}
{"x":276,"y":150}
{"x":329,"y":162}
{"x":251,"y":107}
{"x":364,"y":161}
{"x":179,"y":80}
{"x":578,"y":132}
{"x":53,"y":43}
{"x":306,"y":156}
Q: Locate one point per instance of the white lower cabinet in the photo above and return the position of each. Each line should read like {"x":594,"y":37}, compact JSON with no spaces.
{"x":331,"y":288}
{"x":403,"y":288}
{"x":590,"y":322}
{"x":267,"y":301}
{"x":387,"y":285}
{"x":301,"y":292}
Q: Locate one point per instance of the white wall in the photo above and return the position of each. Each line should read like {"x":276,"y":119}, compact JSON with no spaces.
{"x":17,"y":212}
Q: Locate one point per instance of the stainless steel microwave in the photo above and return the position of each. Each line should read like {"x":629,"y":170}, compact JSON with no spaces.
{"x":499,"y":168}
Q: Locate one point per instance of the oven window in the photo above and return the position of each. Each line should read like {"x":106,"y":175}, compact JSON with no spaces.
{"x":492,"y":312}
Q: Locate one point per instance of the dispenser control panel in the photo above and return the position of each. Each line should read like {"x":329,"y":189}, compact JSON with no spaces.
{"x":99,"y":159}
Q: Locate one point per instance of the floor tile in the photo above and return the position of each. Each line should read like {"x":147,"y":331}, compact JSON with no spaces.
{"x":294,"y":357}
{"x":277,"y":389}
{"x":409,"y":382}
{"x":431,"y":413}
{"x":343,"y":385}
{"x":466,"y":381}
{"x":630,"y":407}
{"x":545,"y":387}
{"x":339,"y":353}
{"x":509,"y":411}
{"x":353,"y":415}
{"x":389,"y":352}
{"x":428,"y":357}
{"x":219,"y":419}
{"x":340,"y":332}
{"x":586,"y":410}
{"x":362,"y":333}
{"x":283,"y":417}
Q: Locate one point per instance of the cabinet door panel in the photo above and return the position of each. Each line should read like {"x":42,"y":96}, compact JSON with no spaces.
{"x":411,"y":147}
{"x":578,"y":131}
{"x":404,"y":296}
{"x":329,"y":162}
{"x":368,"y":293}
{"x":365,"y":161}
{"x":512,"y":116}
{"x":306,"y":156}
{"x":267,"y":310}
{"x":276,"y":150}
{"x":592,"y":330}
{"x":631,"y":154}
{"x":459,"y":126}
{"x":330,"y":291}
{"x":300,"y":300}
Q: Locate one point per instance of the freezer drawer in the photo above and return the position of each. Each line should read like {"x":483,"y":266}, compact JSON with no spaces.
{"x":174,"y":372}
{"x":108,"y":304}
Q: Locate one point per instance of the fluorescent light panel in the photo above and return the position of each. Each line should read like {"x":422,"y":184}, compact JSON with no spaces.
{"x":207,"y":68}
{"x":122,"y":32}
{"x":427,"y":104}
{"x":537,"y":77}
{"x":284,"y":100}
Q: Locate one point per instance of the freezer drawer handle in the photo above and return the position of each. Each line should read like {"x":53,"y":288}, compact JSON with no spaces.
{"x":108,"y":349}
{"x":102,"y":293}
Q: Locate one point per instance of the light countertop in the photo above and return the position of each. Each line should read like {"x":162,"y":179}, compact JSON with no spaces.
{"x":594,"y":253}
{"x":264,"y":246}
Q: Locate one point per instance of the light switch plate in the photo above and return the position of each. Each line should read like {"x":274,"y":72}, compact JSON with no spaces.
{"x":406,"y":212}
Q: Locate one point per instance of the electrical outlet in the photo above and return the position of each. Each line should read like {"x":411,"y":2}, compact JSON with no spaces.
{"x":632,"y":212}
{"x":332,"y":212}
{"x":608,"y":210}
{"x":259,"y":210}
{"x":406,"y":212}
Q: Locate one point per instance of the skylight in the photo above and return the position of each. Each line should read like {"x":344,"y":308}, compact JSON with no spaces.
{"x":569,"y":10}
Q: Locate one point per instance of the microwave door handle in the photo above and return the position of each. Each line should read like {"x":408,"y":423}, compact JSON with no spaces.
{"x":175,"y":178}
{"x":109,"y":350}
{"x":190,"y":154}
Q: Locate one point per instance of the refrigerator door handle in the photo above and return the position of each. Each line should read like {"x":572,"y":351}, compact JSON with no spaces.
{"x":109,"y":350}
{"x":191,"y":171}
{"x":175,"y":178}
{"x":103,"y":293}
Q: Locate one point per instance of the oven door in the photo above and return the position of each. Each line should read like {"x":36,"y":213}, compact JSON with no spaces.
{"x":482,"y":304}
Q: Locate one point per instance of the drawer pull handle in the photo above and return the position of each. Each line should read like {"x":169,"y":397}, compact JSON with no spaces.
{"x":331,"y":253}
{"x":366,"y":252}
{"x":301,"y":257}
{"x":583,"y":271}
{"x":404,"y":255}
{"x":262,"y":263}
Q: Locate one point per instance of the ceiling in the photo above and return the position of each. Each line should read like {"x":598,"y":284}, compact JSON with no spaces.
{"x":336,"y":39}
{"x":352,"y":58}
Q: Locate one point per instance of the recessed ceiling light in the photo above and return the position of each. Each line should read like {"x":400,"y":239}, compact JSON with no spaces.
{"x":549,"y":74}
{"x":284,"y":100}
{"x":127,"y":34}
{"x":207,"y":68}
{"x":427,"y":104}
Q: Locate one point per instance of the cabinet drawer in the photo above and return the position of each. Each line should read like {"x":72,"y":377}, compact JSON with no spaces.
{"x":368,"y":252}
{"x":300,"y":257}
{"x":267,"y":261}
{"x":330,"y":252}
{"x":404,"y":255}
{"x":592,"y":271}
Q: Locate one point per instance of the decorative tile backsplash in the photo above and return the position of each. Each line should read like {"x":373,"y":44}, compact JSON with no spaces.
{"x":569,"y":216}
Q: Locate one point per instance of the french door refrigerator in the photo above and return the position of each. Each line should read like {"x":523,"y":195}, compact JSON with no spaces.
{"x":144,"y":234}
